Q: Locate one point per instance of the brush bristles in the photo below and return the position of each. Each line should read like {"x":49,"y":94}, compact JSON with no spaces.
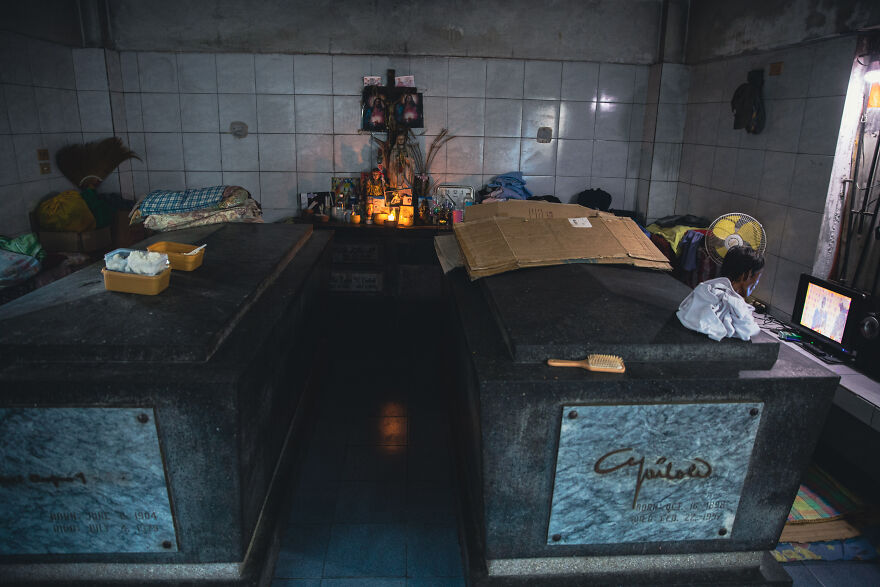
{"x":609,"y":363}
{"x":95,"y":159}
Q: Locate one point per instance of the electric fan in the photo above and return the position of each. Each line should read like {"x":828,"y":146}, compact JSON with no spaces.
{"x":731,"y":230}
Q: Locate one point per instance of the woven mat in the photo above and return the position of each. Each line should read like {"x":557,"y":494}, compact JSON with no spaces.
{"x":821,"y":499}
{"x":823,"y":511}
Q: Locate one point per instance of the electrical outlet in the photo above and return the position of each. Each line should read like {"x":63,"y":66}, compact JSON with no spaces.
{"x":45,"y":168}
{"x":42,"y":154}
{"x":776,"y":68}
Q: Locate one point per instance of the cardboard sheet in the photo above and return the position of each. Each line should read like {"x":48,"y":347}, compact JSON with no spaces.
{"x":503,"y":236}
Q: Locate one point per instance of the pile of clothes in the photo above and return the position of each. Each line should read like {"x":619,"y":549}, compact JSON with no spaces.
{"x":680,"y":238}
{"x":508,"y":186}
{"x":19,"y":258}
{"x":163,"y":210}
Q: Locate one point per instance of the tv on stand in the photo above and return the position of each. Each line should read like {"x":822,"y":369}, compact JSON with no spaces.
{"x":838,"y":320}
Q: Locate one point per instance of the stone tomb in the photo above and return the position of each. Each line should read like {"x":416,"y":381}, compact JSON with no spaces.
{"x":681,"y":470}
{"x":145,"y":437}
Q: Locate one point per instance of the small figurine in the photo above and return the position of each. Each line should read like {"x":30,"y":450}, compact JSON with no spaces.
{"x":375,"y":194}
{"x":376,"y":184}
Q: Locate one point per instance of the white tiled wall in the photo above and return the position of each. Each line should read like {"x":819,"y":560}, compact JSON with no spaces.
{"x":303,"y":116}
{"x":50,"y":96}
{"x":780,"y":176}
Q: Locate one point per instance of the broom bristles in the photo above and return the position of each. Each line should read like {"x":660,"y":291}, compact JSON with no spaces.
{"x":97,"y":159}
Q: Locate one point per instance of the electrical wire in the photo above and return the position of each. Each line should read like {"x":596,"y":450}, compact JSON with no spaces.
{"x":771,"y":324}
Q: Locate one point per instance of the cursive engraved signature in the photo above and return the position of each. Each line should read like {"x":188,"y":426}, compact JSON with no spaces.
{"x":662,"y":468}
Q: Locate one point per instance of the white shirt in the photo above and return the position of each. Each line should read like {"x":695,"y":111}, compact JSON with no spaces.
{"x":714,"y":308}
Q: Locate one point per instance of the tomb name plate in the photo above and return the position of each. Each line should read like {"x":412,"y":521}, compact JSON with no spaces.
{"x":355,"y":281}
{"x":650,"y":472}
{"x":82,"y":480}
{"x":357,"y":253}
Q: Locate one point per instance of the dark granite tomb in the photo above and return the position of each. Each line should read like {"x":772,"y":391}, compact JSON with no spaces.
{"x":150,"y":431}
{"x":681,"y":470}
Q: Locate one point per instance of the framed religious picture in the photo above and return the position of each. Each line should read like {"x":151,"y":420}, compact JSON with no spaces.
{"x":374,"y":109}
{"x":408,"y":110}
{"x":380,"y":103}
{"x":347,"y":186}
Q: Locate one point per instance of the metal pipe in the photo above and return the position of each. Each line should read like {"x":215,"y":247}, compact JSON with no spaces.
{"x":870,"y":184}
{"x":850,"y":208}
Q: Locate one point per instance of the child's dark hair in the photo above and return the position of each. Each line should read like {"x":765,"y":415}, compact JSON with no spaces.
{"x":740,"y":261}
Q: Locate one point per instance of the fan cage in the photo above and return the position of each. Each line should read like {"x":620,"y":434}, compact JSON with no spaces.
{"x":739,"y":225}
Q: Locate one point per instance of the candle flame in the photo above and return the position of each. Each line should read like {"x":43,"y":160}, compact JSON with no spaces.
{"x":391,"y":217}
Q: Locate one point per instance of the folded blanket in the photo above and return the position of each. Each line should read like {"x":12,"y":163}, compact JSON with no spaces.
{"x":247,"y":212}
{"x":176,"y":202}
{"x":172,"y":202}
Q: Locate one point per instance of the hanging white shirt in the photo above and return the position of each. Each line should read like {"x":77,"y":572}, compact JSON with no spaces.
{"x":714,"y":308}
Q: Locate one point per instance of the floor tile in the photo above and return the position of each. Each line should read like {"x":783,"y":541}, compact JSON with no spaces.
{"x":429,"y":504}
{"x":380,"y":403}
{"x":303,"y":548}
{"x":429,"y":428}
{"x":313,"y":503}
{"x":387,"y":430}
{"x":366,"y":550}
{"x":364,"y":582}
{"x":800,"y":575}
{"x":436,"y":582}
{"x":432,"y":551}
{"x":429,"y":464}
{"x":846,"y":573}
{"x":369,"y":502}
{"x":374,"y":463}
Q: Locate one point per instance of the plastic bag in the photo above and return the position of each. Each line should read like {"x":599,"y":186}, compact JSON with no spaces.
{"x":98,"y":207}
{"x":65,"y":212}
{"x":15,"y":268}
{"x":24,"y":244}
{"x":140,"y":262}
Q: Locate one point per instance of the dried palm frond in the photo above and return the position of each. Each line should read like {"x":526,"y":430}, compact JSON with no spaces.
{"x":439,"y":141}
{"x":415,"y":152}
{"x":92,"y":162}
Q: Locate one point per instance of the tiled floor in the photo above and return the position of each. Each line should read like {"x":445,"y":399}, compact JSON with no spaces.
{"x":834,"y":574}
{"x":374,"y":505}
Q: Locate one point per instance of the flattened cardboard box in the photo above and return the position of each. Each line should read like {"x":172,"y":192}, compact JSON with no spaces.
{"x":504,"y":236}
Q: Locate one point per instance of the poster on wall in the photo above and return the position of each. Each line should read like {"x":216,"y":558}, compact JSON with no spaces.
{"x":381,"y":104}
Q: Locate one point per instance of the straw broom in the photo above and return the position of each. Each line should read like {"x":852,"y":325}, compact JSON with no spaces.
{"x":89,"y":164}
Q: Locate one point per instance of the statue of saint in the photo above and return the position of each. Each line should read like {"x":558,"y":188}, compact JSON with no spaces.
{"x":400,"y":165}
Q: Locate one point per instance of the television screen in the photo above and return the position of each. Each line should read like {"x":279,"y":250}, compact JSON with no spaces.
{"x":825,"y":312}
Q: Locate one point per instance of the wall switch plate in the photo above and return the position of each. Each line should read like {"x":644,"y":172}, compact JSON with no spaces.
{"x":45,"y":168}
{"x":42,"y":154}
{"x":238,"y":129}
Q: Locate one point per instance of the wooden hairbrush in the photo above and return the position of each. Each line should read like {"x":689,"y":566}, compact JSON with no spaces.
{"x":603,"y":363}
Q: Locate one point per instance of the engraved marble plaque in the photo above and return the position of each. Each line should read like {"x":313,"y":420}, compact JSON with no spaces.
{"x":651,"y":472}
{"x":82,"y":480}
